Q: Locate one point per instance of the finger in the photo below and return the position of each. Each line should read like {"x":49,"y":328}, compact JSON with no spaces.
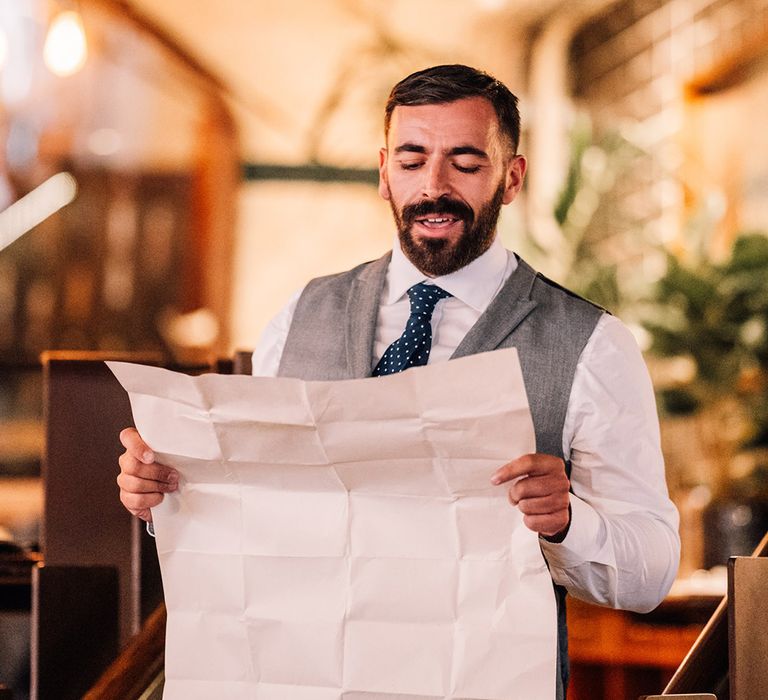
{"x":528,"y":465}
{"x":547,"y":505}
{"x":143,"y":513}
{"x":154,"y":471}
{"x":547,"y":525}
{"x":131,"y":440}
{"x":137,"y":502}
{"x":135,"y":484}
{"x":536,"y":486}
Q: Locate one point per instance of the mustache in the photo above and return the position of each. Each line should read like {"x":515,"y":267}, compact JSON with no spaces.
{"x":441,"y":205}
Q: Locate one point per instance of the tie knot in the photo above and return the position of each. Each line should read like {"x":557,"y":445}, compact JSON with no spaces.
{"x":424,"y":297}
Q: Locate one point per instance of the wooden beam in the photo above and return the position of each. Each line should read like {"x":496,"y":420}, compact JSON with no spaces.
{"x":734,"y":68}
{"x":309,"y":172}
{"x":123,"y":11}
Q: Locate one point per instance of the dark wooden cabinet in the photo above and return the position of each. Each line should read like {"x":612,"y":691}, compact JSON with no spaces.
{"x":616,"y":654}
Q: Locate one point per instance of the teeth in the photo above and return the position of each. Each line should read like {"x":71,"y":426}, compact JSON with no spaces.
{"x":437,"y":221}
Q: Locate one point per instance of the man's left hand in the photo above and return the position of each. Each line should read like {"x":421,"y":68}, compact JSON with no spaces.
{"x":540,"y":491}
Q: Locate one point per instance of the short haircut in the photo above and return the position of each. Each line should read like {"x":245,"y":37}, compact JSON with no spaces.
{"x":447,"y":83}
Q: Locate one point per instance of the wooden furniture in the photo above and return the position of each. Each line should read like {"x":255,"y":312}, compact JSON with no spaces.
{"x":84,"y":523}
{"x":616,"y":654}
{"x":686,"y":696}
{"x":139,"y":667}
{"x":98,"y":579}
{"x":747,"y":622}
{"x":730,"y":656}
{"x":74,"y":628}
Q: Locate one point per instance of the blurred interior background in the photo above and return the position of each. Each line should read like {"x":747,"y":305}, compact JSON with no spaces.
{"x":170,"y":173}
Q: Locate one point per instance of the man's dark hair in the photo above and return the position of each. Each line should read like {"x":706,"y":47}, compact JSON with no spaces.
{"x":448,"y":83}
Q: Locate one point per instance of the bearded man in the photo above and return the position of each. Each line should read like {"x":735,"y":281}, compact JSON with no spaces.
{"x":594,"y":491}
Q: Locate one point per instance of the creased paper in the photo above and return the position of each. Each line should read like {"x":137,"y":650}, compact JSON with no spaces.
{"x":342,"y":539}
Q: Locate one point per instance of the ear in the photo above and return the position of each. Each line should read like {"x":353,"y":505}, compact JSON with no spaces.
{"x":383,"y":182}
{"x":514,"y":177}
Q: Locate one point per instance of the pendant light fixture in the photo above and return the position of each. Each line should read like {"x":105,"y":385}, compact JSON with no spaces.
{"x":66,"y":47}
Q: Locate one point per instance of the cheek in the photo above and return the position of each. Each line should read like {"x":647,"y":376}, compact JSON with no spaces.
{"x":474,"y":190}
{"x":401,"y":182}
{"x":400,"y":194}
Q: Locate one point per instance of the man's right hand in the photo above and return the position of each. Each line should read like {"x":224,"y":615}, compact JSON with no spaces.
{"x":142,"y":481}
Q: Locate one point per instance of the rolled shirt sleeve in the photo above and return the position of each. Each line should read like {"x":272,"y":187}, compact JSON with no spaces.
{"x":622,"y":548}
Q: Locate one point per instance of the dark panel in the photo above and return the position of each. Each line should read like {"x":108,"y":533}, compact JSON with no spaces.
{"x":84,"y":523}
{"x":74,"y":629}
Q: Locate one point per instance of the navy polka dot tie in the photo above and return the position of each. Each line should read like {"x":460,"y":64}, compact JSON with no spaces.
{"x":412,"y":347}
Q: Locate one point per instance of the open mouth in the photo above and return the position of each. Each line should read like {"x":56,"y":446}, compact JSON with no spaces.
{"x":437,"y":221}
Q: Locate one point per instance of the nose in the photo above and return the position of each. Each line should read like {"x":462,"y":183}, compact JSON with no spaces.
{"x":436,"y":182}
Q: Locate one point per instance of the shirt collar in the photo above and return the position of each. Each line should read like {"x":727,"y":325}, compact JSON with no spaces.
{"x":475,"y":284}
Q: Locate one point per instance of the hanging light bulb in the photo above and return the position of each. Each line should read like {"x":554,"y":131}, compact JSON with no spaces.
{"x":65,"y":47}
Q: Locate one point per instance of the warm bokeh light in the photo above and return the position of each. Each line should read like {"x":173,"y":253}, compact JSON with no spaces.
{"x":3,"y":48}
{"x":196,"y":329}
{"x":65,"y":48}
{"x":104,"y":142}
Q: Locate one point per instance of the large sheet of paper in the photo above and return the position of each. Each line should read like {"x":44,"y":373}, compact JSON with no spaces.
{"x":338,"y":540}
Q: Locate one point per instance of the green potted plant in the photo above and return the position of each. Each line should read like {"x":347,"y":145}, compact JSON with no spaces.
{"x":713,"y":319}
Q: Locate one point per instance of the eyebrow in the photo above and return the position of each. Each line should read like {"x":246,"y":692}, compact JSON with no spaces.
{"x":455,"y":151}
{"x":467,"y":151}
{"x":410,"y":148}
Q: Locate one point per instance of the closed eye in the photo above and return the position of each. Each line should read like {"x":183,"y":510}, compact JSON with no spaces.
{"x":466,"y":168}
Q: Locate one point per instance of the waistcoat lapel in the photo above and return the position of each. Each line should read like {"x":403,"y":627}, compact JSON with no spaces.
{"x":507,"y":310}
{"x":361,"y":316}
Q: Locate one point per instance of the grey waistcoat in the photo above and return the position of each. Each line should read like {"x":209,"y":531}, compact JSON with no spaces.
{"x":333,"y":329}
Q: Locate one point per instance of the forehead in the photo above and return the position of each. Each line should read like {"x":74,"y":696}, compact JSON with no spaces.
{"x":471,"y":120}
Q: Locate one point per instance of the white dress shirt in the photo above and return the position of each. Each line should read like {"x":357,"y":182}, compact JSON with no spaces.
{"x":622,"y":548}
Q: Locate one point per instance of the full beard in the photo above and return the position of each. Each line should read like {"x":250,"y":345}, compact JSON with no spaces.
{"x":437,"y":257}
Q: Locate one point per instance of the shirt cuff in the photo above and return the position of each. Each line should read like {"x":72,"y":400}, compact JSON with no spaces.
{"x":583,"y":541}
